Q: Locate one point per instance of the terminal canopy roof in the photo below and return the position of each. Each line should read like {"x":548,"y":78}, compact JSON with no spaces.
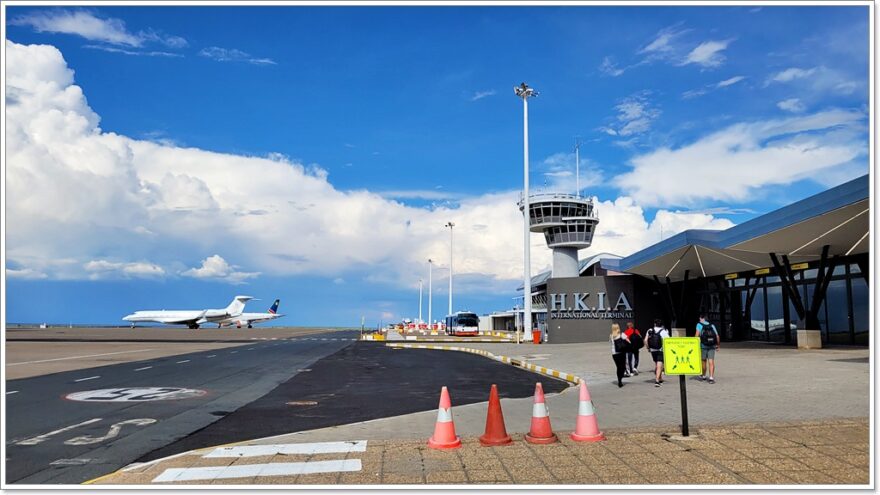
{"x":838,"y":217}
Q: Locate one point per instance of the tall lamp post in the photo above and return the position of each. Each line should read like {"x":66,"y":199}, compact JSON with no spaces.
{"x":430,"y":289}
{"x":450,"y":225}
{"x":420,"y":301}
{"x":525,"y":92}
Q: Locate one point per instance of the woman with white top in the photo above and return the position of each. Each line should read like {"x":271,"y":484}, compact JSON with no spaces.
{"x":619,"y":347}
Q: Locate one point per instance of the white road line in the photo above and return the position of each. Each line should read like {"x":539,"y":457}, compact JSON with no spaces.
{"x":181,"y":362}
{"x":12,"y":392}
{"x":42,"y":438}
{"x":250,"y":349}
{"x":144,"y":368}
{"x":88,"y":378}
{"x":78,"y":357}
{"x":289,"y":449}
{"x":248,"y":470}
{"x":70,"y":462}
{"x":233,"y":352}
{"x":212,"y":355}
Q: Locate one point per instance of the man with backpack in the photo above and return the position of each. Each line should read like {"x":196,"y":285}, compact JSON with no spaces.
{"x":655,"y":338}
{"x":636,"y":342}
{"x":709,"y":343}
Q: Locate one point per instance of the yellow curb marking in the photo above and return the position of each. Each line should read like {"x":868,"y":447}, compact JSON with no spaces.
{"x":504,"y":359}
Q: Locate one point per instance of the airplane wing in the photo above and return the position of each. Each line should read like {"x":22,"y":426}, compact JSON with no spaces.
{"x":182,"y":319}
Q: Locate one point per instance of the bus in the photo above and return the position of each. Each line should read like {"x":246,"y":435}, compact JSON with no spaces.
{"x":462,"y":323}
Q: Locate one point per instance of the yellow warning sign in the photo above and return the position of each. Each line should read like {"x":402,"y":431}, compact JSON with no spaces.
{"x":681,"y":356}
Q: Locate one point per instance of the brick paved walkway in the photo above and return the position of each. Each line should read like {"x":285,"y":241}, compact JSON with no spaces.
{"x":779,"y":453}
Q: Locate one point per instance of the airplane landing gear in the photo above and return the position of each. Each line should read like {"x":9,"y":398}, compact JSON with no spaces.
{"x":250,"y":326}
{"x":193,"y":326}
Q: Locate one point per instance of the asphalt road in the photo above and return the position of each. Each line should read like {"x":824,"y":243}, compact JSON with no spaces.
{"x":50,"y":439}
{"x":363,"y":382}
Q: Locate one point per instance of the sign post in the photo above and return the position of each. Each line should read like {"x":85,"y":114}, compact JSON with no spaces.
{"x":682,"y":357}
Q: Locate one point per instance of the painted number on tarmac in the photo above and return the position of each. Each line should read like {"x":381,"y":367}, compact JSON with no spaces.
{"x":113,"y":433}
{"x":141,"y":394}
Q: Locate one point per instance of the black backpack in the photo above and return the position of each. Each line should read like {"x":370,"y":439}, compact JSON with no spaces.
{"x":708,"y":335}
{"x":636,"y":340}
{"x":621,"y":345}
{"x":655,"y":341}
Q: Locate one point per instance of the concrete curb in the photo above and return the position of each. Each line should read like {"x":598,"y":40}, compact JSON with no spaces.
{"x":568,"y":377}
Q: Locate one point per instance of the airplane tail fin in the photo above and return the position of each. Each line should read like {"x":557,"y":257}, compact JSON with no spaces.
{"x":237,"y":305}
{"x":274,"y":308}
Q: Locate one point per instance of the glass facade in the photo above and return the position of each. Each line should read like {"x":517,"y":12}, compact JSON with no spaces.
{"x":759,"y":308}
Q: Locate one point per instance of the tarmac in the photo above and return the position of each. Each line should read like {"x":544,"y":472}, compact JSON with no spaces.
{"x":39,"y":351}
{"x":776,"y":415}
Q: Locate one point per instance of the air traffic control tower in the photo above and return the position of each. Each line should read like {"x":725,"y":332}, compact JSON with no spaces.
{"x":568,"y":222}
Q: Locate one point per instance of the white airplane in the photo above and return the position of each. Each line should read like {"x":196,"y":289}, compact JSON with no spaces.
{"x":190,"y":318}
{"x":248,"y":319}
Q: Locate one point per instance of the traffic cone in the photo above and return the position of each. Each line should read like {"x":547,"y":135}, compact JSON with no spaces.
{"x":540,"y":431}
{"x":587,"y":428}
{"x":495,"y":434}
{"x":444,"y":430}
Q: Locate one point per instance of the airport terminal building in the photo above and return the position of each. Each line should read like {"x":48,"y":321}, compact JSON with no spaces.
{"x":798,"y":275}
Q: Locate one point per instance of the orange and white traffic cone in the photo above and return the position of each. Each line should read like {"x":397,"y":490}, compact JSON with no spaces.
{"x":540,"y":431}
{"x":496,"y":433}
{"x":587,"y":428}
{"x":444,"y":430}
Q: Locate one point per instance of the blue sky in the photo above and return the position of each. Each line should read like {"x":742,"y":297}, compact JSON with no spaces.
{"x":314,"y":154}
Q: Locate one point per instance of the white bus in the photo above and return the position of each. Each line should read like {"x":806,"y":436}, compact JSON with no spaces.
{"x":463,"y":323}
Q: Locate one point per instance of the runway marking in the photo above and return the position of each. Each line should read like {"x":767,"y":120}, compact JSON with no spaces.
{"x":45,"y":436}
{"x":79,"y":357}
{"x":89,"y":378}
{"x":112,"y":433}
{"x":181,"y":362}
{"x":12,"y":392}
{"x":250,"y":349}
{"x":289,"y":449}
{"x":144,"y":368}
{"x":246,"y":471}
{"x":212,"y":355}
{"x":139,"y":394}
{"x":233,"y":352}
{"x":323,"y":339}
{"x":70,"y":462}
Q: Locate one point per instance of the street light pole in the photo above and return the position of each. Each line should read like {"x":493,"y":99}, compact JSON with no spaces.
{"x":450,"y":225}
{"x":577,"y":168}
{"x":430,"y":289}
{"x":525,"y":92}
{"x":420,"y":301}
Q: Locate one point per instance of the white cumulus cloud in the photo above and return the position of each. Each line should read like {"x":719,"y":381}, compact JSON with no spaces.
{"x":233,"y":55}
{"x":731,"y":163}
{"x":794,"y":105}
{"x":92,"y":27}
{"x":123,"y":207}
{"x":140,"y":269}
{"x":215,"y":267}
{"x":707,"y":54}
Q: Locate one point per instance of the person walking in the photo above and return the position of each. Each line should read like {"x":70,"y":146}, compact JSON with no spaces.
{"x":655,"y":338}
{"x":636,"y":342}
{"x":619,"y":347}
{"x":709,"y":343}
